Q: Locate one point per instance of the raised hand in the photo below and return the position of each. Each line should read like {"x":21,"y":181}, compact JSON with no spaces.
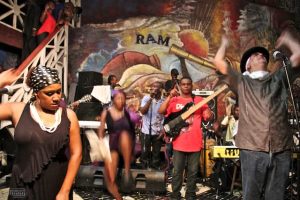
{"x":293,"y":44}
{"x":8,"y":77}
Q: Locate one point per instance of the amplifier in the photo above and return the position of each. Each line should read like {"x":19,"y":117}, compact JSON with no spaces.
{"x":89,"y":111}
{"x":144,"y":180}
{"x":202,"y":93}
{"x":90,"y":78}
{"x":90,"y":176}
{"x":148,"y":181}
{"x":212,"y":104}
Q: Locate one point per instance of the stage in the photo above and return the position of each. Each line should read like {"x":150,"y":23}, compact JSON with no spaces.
{"x":204,"y":192}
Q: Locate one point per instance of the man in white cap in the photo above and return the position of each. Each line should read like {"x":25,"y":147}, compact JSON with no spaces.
{"x":263,"y":137}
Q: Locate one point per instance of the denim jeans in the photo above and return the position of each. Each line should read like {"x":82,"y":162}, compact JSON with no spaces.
{"x":180,"y":160}
{"x":264,"y":175}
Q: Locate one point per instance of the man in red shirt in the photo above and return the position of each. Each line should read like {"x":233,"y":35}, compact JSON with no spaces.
{"x":188,"y":144}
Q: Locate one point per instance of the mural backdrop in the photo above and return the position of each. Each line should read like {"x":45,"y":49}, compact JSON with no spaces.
{"x":141,"y":41}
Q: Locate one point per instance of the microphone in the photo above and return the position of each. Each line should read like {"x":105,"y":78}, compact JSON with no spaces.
{"x":277,"y":55}
{"x":6,"y":90}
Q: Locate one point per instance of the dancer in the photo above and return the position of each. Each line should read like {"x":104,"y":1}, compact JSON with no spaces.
{"x":121,"y":139}
{"x":47,"y":138}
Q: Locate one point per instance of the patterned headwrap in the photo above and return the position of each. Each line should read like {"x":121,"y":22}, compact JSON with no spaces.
{"x":42,"y":77}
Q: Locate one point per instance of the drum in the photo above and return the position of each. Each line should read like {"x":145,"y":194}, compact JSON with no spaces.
{"x":206,"y":163}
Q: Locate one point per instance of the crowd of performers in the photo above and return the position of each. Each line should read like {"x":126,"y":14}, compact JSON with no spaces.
{"x":49,"y":148}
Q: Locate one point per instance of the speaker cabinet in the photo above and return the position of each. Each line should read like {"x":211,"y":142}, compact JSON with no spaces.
{"x":90,"y":78}
{"x":89,"y":111}
{"x":82,"y":90}
{"x":148,"y":180}
{"x":90,"y":176}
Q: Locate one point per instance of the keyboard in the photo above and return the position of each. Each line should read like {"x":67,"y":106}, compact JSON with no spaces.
{"x":224,"y":152}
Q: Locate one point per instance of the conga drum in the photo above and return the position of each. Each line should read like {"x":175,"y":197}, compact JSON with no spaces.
{"x":206,"y":163}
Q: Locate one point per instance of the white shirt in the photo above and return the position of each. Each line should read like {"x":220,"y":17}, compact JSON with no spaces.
{"x":156,"y":119}
{"x":256,"y":74}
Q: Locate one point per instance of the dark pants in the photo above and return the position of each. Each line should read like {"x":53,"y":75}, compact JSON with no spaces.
{"x":264,"y":175}
{"x":180,"y":159}
{"x":147,"y":142}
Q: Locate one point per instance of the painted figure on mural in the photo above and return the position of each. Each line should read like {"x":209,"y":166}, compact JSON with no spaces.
{"x":263,"y":136}
{"x":47,"y":138}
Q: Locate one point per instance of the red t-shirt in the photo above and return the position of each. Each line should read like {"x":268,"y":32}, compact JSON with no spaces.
{"x":190,"y":137}
{"x":48,"y":25}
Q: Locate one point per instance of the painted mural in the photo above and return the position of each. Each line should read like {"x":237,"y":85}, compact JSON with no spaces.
{"x":143,"y":47}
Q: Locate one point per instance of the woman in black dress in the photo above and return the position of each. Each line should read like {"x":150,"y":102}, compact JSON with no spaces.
{"x":121,"y":139}
{"x":47,"y":138}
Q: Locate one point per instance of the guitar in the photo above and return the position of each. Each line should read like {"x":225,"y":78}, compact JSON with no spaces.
{"x":176,"y":121}
{"x":84,"y":99}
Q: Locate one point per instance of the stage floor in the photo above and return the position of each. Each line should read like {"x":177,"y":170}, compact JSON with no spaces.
{"x":93,"y":194}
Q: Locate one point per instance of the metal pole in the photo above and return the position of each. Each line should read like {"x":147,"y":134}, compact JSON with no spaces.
{"x":297,"y":148}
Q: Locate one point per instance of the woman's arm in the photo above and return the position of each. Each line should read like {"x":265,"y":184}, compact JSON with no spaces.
{"x":75,"y":156}
{"x":7,"y":110}
{"x":101,"y":131}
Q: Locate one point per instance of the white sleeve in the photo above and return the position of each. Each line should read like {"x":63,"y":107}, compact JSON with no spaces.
{"x":145,"y":99}
{"x":225,"y":121}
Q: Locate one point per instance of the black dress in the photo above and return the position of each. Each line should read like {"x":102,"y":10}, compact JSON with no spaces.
{"x":115,"y":128}
{"x":41,"y":159}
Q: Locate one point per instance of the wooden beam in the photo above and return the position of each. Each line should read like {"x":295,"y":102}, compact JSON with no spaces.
{"x":11,"y":37}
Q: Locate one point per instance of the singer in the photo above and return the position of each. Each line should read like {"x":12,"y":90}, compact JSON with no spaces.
{"x":263,"y":136}
{"x":152,"y":127}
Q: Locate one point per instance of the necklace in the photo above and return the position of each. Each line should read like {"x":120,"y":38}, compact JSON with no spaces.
{"x":37,"y":118}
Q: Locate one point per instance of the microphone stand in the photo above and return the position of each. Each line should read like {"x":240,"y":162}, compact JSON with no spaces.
{"x":150,"y":135}
{"x":297,"y":148}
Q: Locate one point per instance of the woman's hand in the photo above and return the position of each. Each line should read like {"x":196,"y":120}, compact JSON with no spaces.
{"x":8,"y":77}
{"x":62,"y":196}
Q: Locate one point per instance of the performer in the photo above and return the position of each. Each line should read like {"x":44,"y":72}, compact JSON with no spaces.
{"x":121,"y":141}
{"x":170,"y":84}
{"x":263,"y":137}
{"x":112,"y":81}
{"x":152,"y":125}
{"x":188,"y":144}
{"x":230,"y":122}
{"x":47,"y":138}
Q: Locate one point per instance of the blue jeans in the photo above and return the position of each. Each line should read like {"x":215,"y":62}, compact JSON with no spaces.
{"x":180,"y":160}
{"x":264,"y":175}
